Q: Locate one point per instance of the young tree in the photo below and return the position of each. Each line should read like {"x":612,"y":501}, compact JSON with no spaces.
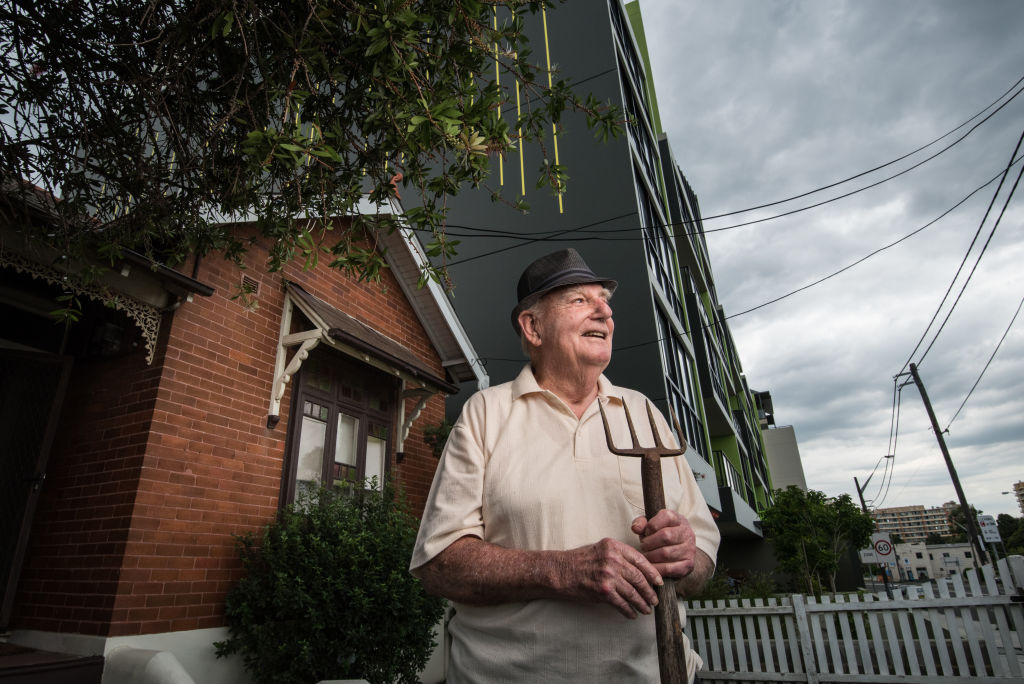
{"x":1011,"y":531}
{"x":812,"y":532}
{"x":1007,"y":525}
{"x":1015,"y":543}
{"x":154,"y":123}
{"x":958,"y":523}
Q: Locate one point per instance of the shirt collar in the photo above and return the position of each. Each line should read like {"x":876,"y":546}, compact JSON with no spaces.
{"x":526,"y":383}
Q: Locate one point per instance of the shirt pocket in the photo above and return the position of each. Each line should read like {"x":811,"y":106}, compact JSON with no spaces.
{"x":632,"y":483}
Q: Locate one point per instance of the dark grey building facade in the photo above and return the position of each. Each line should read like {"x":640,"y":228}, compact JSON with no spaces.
{"x":630,"y":212}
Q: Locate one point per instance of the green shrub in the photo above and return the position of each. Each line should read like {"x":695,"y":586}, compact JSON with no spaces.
{"x":758,"y":584}
{"x":717,"y":588}
{"x":327,"y":593}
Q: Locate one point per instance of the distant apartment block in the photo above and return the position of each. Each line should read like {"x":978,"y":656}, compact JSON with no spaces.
{"x":1018,"y":491}
{"x":914,"y":523}
{"x":780,"y":446}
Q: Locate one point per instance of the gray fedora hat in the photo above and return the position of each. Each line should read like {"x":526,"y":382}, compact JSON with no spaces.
{"x":550,"y":272}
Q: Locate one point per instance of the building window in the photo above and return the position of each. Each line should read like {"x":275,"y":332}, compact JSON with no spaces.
{"x":678,"y":368}
{"x":919,"y":554}
{"x":341,"y":430}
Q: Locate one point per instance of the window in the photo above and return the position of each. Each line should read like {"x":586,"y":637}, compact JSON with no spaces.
{"x":343,"y":414}
{"x":678,"y":367}
{"x":967,"y":554}
{"x":919,"y":554}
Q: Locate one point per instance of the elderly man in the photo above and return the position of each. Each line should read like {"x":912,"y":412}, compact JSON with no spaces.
{"x":535,"y":530}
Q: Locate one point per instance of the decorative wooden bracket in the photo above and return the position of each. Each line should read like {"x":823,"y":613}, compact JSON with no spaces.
{"x":424,"y":395}
{"x":285,"y":369}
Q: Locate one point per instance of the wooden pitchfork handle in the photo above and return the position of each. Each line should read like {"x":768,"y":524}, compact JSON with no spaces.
{"x":671,"y":650}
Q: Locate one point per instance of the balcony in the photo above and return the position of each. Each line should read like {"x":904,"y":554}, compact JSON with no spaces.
{"x":738,"y":518}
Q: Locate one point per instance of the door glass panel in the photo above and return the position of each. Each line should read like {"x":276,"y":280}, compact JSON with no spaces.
{"x":376,"y":441}
{"x":317,"y":374}
{"x":311,"y":447}
{"x":346,"y":450}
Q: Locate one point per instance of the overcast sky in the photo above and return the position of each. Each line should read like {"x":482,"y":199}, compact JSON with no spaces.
{"x":765,"y":99}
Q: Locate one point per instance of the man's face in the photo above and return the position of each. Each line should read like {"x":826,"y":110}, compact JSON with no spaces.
{"x":576,"y":326}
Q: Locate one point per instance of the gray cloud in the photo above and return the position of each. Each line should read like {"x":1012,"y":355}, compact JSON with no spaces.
{"x":764,"y":100}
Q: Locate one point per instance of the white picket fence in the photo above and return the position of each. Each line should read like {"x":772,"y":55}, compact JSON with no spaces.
{"x":958,"y":633}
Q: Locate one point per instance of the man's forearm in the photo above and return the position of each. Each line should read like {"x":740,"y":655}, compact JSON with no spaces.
{"x":477,"y":572}
{"x":703,"y":568}
{"x":473,"y":571}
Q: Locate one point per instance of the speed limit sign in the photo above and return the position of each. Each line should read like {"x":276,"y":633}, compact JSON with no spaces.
{"x":880,"y":550}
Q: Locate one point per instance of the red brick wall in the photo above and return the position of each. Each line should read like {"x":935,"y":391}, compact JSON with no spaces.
{"x":166,"y":473}
{"x":73,"y":565}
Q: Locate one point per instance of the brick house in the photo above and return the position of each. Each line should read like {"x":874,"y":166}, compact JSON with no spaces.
{"x":172,"y":417}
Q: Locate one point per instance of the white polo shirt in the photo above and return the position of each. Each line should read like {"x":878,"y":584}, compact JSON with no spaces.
{"x":521,"y":471}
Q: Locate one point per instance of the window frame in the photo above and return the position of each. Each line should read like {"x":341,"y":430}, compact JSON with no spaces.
{"x":340,"y":367}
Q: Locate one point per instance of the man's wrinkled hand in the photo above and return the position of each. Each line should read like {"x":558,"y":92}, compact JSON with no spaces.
{"x":612,"y":572}
{"x":668,"y":542}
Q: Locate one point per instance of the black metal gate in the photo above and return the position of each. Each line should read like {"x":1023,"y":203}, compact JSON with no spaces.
{"x":31,"y":392}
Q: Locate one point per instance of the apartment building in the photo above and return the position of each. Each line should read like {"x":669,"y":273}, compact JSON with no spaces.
{"x":780,"y":444}
{"x":631,"y":213}
{"x":914,"y":523}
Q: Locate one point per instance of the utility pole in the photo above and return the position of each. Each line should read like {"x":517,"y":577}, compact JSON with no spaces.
{"x":863,"y":507}
{"x":972,"y":526}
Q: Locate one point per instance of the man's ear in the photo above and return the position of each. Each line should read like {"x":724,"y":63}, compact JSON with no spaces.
{"x":528,"y":324}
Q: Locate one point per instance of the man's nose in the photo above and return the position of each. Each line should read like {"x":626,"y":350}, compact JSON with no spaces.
{"x":603,"y":309}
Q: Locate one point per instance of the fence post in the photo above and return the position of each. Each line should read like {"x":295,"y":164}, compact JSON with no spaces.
{"x":804,"y":637}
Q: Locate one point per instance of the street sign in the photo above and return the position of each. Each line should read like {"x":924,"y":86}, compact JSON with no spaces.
{"x":989,"y":529}
{"x":880,"y":551}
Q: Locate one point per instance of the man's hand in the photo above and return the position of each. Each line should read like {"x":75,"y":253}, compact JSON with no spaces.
{"x":614,"y":573}
{"x":668,"y":542}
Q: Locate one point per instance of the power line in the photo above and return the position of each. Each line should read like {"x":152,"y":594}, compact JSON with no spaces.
{"x":862,"y":189}
{"x":868,"y":256}
{"x":892,"y":418}
{"x":994,"y":352}
{"x":891,"y":456}
{"x":551,"y":233}
{"x":799,"y":289}
{"x":976,"y":262}
{"x":870,"y":475}
{"x":969,"y":248}
{"x":881,"y":166}
{"x":556,"y":235}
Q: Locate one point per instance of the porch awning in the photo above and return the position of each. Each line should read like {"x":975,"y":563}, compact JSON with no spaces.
{"x":352,"y":332}
{"x":349,"y":335}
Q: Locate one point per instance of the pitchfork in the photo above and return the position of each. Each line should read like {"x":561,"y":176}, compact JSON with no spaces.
{"x":671,"y":652}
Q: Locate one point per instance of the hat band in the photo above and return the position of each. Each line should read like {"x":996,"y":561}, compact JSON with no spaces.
{"x":563,"y":275}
